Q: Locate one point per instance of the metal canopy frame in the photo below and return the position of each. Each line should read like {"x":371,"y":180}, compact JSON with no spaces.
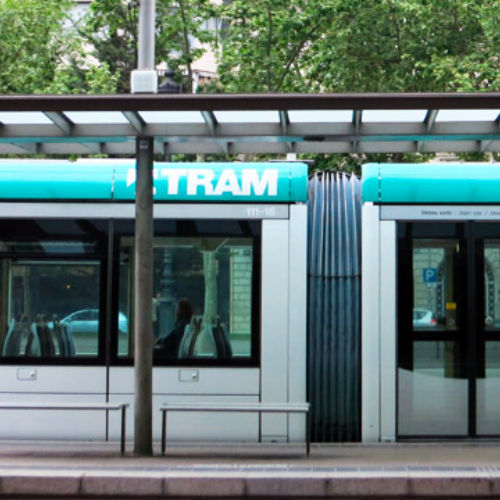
{"x":251,"y":123}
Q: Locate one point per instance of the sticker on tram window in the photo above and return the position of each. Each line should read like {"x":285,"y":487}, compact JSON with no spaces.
{"x":451,"y":306}
{"x":429,"y":274}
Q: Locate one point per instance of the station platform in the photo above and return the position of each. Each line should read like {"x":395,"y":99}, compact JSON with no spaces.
{"x":44,"y":469}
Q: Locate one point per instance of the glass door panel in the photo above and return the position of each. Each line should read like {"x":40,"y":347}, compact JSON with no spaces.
{"x":433,"y":398}
{"x":432,"y":382}
{"x":488,"y":373}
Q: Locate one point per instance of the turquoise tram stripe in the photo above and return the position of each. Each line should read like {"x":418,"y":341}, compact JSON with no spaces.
{"x":431,"y":183}
{"x":115,"y":180}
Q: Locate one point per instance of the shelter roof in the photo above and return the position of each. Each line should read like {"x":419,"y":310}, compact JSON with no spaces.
{"x":251,"y":123}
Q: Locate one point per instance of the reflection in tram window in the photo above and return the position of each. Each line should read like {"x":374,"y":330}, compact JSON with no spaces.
{"x":50,"y":309}
{"x":202,"y":304}
{"x":434,"y":288}
{"x":492,"y":284}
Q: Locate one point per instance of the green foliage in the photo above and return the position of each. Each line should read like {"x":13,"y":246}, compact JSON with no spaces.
{"x":361,"y":45}
{"x":111,"y":28}
{"x":32,"y":43}
{"x":180,"y":22}
{"x":264,"y":43}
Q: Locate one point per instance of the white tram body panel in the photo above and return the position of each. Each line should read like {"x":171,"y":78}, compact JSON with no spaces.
{"x":431,"y":301}
{"x":271,"y":366}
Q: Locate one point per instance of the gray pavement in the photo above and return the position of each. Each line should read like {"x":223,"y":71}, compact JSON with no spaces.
{"x":34,"y":469}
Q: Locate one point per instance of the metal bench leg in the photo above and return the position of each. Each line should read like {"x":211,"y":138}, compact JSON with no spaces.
{"x":308,"y":434}
{"x":163,"y":431}
{"x":123,"y":433}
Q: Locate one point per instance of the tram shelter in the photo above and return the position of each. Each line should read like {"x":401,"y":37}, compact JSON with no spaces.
{"x":289,"y":124}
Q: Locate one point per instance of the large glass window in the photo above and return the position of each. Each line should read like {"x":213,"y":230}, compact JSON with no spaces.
{"x":434,"y":287}
{"x":51,"y":309}
{"x":50,"y":289}
{"x":203,"y":299}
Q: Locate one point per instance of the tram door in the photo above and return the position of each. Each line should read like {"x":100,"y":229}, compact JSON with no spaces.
{"x":448,"y":351}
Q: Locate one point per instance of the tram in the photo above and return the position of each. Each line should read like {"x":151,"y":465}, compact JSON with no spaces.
{"x":257,"y":288}
{"x":431,"y":301}
{"x":229,"y":305}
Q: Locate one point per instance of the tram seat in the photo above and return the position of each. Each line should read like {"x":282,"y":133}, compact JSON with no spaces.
{"x":189,"y":339}
{"x":63,"y":339}
{"x":221,"y":339}
{"x":40,"y":341}
{"x":202,"y":340}
{"x":16,"y":337}
{"x":33,"y":345}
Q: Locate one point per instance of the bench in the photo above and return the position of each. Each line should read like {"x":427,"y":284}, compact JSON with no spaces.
{"x":235,"y":408}
{"x":73,"y":406}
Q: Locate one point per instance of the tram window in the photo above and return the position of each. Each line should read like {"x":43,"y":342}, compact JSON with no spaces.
{"x":492,"y":284}
{"x":203,"y":298}
{"x":48,"y":308}
{"x":434,"y":284}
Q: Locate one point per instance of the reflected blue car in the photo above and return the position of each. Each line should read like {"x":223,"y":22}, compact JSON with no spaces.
{"x":86,"y":321}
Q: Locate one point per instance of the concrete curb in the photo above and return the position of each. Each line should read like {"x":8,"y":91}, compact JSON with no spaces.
{"x":144,"y":484}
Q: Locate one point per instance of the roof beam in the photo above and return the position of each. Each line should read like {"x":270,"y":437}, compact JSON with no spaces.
{"x":212,"y":125}
{"x":32,"y":148}
{"x":357,"y":118}
{"x":94,"y":147}
{"x":134,"y":118}
{"x":210,"y":120}
{"x":60,"y":120}
{"x":430,"y":119}
{"x":222,"y":102}
{"x":483,"y":145}
{"x":284,"y":122}
{"x":28,"y":147}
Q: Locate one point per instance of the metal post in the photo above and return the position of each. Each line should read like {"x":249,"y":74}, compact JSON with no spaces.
{"x":143,"y":297}
{"x":146,"y":46}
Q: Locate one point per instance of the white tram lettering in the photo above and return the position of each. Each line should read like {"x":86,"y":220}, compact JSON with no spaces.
{"x":251,"y":183}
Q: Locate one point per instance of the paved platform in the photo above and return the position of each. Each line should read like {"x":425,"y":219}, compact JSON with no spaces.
{"x":235,"y":470}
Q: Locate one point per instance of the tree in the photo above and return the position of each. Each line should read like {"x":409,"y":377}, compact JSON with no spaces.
{"x":360,"y":45}
{"x":183,"y":36}
{"x":32,"y":43}
{"x":265,"y":42}
{"x":111,"y":29}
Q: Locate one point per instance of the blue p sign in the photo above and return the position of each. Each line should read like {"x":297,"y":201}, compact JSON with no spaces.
{"x":430,"y":275}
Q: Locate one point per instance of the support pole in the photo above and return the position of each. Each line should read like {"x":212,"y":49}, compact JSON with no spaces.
{"x":146,"y":46}
{"x":144,"y":79}
{"x":143,"y":299}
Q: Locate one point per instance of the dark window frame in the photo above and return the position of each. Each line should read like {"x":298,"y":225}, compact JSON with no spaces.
{"x":191,"y":228}
{"x":13,"y":230}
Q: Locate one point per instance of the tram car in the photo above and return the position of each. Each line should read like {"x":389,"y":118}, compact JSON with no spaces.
{"x":376,"y":300}
{"x":229,"y":305}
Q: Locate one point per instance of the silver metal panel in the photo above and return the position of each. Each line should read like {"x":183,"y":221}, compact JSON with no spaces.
{"x":440,"y":212}
{"x":54,"y":379}
{"x":274,"y":323}
{"x":52,"y":384}
{"x":370,"y":320}
{"x":388,"y":331}
{"x":127,"y":211}
{"x":210,"y":381}
{"x":297,"y":310}
{"x":334,"y":306}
